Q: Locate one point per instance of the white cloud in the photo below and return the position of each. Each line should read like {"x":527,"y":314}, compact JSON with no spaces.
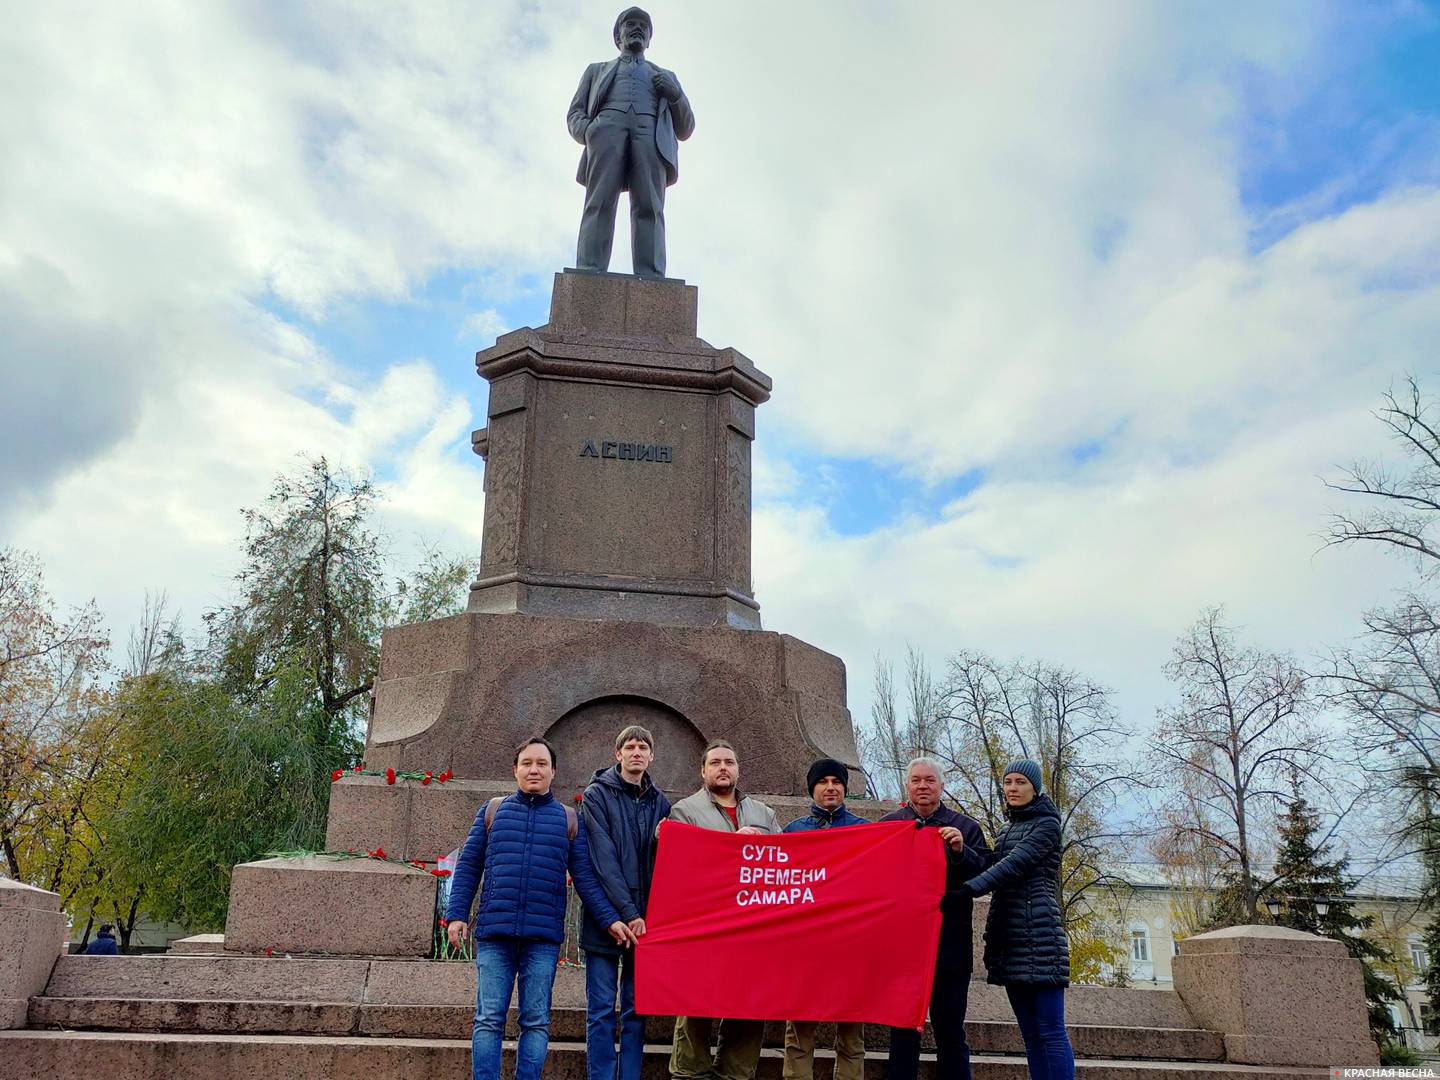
{"x":487,"y":324}
{"x":959,"y":237}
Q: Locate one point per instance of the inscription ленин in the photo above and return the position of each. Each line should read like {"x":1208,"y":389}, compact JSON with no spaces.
{"x":628,"y":451}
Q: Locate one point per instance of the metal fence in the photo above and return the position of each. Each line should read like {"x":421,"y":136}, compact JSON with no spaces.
{"x":1421,"y":1041}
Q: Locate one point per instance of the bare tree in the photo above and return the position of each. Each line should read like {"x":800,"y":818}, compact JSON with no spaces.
{"x":1388,"y":684}
{"x":155,"y":637}
{"x":896,"y":736}
{"x":996,"y":711}
{"x":1240,"y":728}
{"x":1401,"y":505}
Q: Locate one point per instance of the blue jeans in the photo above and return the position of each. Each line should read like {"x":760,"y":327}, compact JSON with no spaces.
{"x":497,"y":962}
{"x":1040,"y":1012}
{"x":605,"y":976}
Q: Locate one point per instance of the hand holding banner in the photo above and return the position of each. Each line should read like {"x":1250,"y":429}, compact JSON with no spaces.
{"x":832,"y":924}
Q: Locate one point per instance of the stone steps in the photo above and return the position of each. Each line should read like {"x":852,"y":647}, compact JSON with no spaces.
{"x":201,"y":994}
{"x":567,"y":1023}
{"x":81,"y":1055}
{"x":358,"y":980}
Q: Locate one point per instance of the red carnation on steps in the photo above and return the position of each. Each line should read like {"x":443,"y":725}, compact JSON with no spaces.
{"x":336,"y":775}
{"x":390,"y":776}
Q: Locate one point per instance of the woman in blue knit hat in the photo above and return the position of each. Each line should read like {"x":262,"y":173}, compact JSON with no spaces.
{"x":1026,"y":950}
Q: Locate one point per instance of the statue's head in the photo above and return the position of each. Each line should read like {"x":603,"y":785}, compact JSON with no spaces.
{"x":633,"y":29}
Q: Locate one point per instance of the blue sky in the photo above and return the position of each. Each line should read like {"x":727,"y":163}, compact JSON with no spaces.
{"x":1361,"y":120}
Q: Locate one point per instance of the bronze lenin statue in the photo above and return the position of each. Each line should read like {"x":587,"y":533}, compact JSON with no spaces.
{"x":629,"y":114}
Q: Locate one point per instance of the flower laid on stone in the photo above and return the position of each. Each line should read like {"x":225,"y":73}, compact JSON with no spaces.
{"x":378,"y":853}
{"x":392,"y":775}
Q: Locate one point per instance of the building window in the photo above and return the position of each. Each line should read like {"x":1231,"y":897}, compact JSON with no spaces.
{"x":1419,"y":957}
{"x":1139,"y":946}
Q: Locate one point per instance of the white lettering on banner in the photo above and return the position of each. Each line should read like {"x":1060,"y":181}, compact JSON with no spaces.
{"x":797,"y":877}
{"x":774,"y":896}
{"x":764,"y":853}
{"x":780,"y":875}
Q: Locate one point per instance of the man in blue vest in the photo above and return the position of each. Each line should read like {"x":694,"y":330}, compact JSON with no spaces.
{"x":629,"y":115}
{"x":522,"y":846}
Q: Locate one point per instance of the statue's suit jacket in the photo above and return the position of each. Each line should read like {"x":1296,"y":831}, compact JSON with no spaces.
{"x":673,"y":122}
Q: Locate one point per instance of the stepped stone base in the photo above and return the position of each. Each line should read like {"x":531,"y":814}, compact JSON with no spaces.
{"x":46,"y":1055}
{"x":448,"y":1021}
{"x":32,"y":937}
{"x":183,"y":1016}
{"x":460,"y":693}
{"x":316,"y":904}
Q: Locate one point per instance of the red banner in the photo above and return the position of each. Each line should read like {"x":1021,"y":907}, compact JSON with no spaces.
{"x":833,"y":924}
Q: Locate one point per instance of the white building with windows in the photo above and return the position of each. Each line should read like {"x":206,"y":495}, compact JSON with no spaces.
{"x":1149,"y":917}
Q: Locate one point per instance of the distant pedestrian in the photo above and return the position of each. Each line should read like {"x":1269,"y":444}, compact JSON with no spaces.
{"x":622,"y":808}
{"x":104,"y":943}
{"x":828,"y":781}
{"x":522,"y":846}
{"x":1026,"y":950}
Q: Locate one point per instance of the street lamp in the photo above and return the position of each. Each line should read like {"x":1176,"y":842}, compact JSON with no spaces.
{"x":1319,"y":904}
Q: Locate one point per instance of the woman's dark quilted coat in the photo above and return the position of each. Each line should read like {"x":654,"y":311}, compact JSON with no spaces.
{"x":1025,"y":943}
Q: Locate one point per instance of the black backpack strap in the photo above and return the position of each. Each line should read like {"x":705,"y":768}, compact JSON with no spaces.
{"x":572,"y":819}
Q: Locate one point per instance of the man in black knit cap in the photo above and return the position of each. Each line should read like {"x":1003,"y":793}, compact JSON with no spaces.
{"x":828,"y":781}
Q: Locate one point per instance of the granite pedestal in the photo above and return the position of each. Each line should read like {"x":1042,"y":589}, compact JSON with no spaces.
{"x":1278,"y":996}
{"x":617,"y":461}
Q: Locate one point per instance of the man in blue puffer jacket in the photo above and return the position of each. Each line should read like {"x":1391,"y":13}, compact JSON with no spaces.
{"x":523,"y":851}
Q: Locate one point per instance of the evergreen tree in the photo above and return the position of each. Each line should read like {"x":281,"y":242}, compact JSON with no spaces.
{"x":1305,"y":875}
{"x":1426,"y":828}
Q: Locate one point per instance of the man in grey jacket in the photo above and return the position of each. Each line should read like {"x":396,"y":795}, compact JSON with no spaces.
{"x":720,"y":805}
